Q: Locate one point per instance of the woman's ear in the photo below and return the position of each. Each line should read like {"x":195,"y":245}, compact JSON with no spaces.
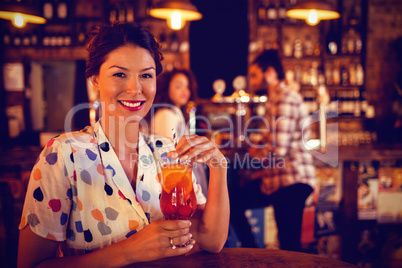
{"x":94,"y":81}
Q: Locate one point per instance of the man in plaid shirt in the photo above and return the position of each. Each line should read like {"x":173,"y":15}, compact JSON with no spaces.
{"x":288,"y":179}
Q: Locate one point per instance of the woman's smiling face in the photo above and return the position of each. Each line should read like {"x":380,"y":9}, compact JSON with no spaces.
{"x":127,"y":83}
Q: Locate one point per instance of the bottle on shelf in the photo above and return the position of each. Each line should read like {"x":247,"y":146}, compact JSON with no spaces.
{"x":298,"y":48}
{"x":17,"y":40}
{"x":48,"y":10}
{"x":6,"y":37}
{"x":359,"y":74}
{"x":352,"y":74}
{"x":332,"y":39}
{"x":122,"y":13}
{"x":67,"y":39}
{"x":272,"y":12}
{"x":62,"y":10}
{"x":287,"y":47}
{"x":34,"y":38}
{"x":344,"y":75}
{"x":336,"y":74}
{"x":26,"y":40}
{"x":261,"y":13}
{"x":113,"y":14}
{"x":357,"y":103}
{"x":308,"y":46}
{"x":282,"y":11}
{"x":328,"y":73}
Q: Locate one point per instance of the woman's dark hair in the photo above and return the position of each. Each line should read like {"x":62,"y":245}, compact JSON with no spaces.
{"x":163,"y":83}
{"x":270,"y":58}
{"x":105,"y":39}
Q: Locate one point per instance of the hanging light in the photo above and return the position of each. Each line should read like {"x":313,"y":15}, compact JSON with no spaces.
{"x":313,"y":12}
{"x":20,"y":14}
{"x":176,"y":13}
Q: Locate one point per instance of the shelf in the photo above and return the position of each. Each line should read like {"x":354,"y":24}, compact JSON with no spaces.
{"x":46,"y":53}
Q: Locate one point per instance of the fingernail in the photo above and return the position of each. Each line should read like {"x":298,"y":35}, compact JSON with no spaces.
{"x":184,"y":158}
{"x":191,"y":235}
{"x":200,"y":160}
{"x":191,"y":247}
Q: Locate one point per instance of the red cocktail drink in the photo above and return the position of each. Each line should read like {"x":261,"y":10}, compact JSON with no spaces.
{"x":178,"y":200}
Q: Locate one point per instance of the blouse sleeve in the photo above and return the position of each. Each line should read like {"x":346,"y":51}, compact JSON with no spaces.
{"x":163,"y":121}
{"x":48,"y":199}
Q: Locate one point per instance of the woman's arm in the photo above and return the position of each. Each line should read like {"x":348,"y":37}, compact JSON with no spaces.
{"x":211,"y":221}
{"x":151,"y":243}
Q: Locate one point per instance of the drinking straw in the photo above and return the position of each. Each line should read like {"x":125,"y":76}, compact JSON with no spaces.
{"x":174,"y":137}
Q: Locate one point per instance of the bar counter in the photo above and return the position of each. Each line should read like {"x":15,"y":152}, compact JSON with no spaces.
{"x":246,"y":257}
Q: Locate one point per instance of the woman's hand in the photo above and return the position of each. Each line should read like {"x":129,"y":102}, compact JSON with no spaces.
{"x":201,"y":150}
{"x":211,"y":220}
{"x":160,"y":239}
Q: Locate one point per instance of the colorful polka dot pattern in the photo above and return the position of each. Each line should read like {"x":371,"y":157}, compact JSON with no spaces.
{"x":79,"y":192}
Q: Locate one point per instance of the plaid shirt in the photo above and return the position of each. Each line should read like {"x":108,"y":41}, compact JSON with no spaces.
{"x":290,"y":161}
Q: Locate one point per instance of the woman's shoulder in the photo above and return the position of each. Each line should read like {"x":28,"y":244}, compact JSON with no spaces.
{"x":80,"y":138}
{"x":170,"y":112}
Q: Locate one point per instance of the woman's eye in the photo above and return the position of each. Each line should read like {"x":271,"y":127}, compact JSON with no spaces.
{"x":121,"y":75}
{"x":146,"y":76}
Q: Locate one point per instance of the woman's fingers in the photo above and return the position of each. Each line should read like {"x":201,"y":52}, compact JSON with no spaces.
{"x":198,"y":149}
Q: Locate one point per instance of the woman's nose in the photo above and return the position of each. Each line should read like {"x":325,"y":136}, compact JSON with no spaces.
{"x":134,"y":86}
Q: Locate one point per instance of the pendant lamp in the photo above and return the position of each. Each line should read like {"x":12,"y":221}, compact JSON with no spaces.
{"x":20,"y":14}
{"x":313,"y":12}
{"x":176,"y":13}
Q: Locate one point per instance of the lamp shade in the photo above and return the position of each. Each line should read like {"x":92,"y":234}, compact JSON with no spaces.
{"x":313,"y":12}
{"x":20,"y":14}
{"x":176,"y":13}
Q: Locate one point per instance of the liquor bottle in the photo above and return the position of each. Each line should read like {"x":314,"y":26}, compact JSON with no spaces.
{"x":26,"y":40}
{"x":336,"y":74}
{"x":328,"y":73}
{"x":81,"y":36}
{"x":272,"y":13}
{"x":48,"y":10}
{"x":282,"y":12}
{"x":17,"y":40}
{"x":308,"y":46}
{"x":67,"y":40}
{"x":6,"y":38}
{"x":53,"y":40}
{"x":298,"y":49}
{"x":174,"y":42}
{"x":46,"y":40}
{"x":113,"y":14}
{"x":62,"y":10}
{"x":344,"y":75}
{"x":59,"y":39}
{"x":363,"y":103}
{"x":352,"y":74}
{"x":261,"y":14}
{"x":122,"y":14}
{"x":34,"y":38}
{"x":287,"y":47}
{"x":351,"y":41}
{"x":130,"y":14}
{"x":332,"y":39}
{"x":357,"y":105}
{"x":359,"y":74}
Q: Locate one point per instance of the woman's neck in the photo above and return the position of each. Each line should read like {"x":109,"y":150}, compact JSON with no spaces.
{"x":123,"y":136}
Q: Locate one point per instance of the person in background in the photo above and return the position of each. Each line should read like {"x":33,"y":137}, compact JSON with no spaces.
{"x":95,"y":193}
{"x":176,"y":88}
{"x":287,"y":175}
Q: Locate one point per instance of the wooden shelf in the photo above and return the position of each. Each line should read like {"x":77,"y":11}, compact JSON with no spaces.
{"x":45,"y":53}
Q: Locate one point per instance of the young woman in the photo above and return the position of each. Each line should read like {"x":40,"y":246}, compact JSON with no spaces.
{"x":95,"y":193}
{"x":175,"y":89}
